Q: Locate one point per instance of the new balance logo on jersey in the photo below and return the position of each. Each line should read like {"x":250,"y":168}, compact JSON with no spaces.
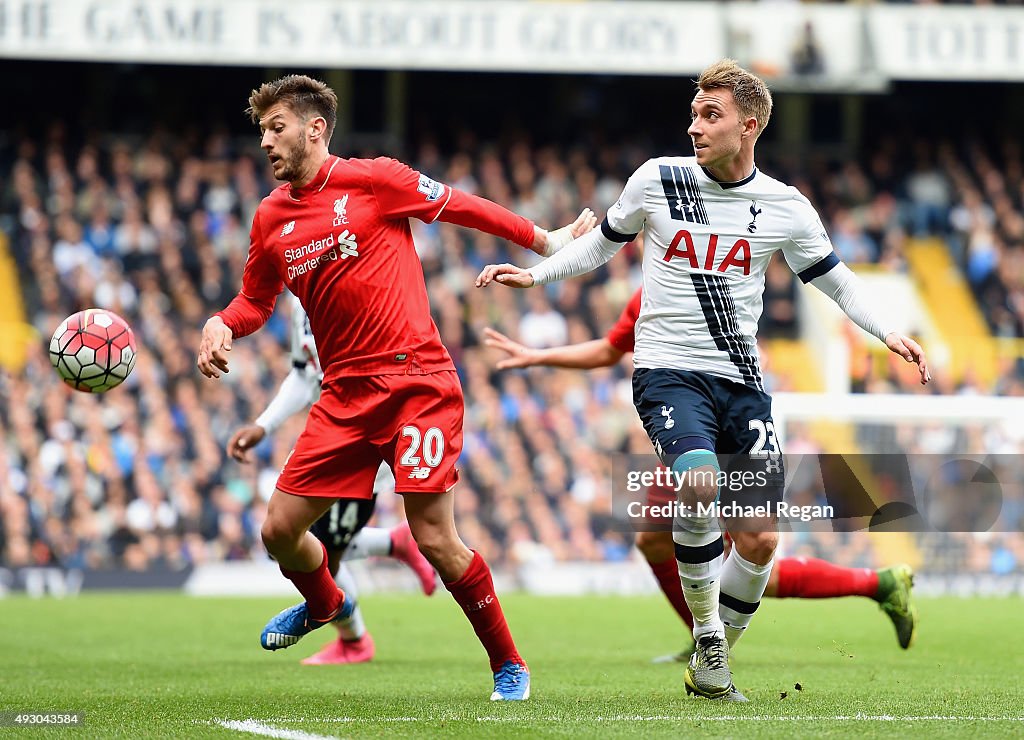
{"x":755,"y":212}
{"x":738,"y":256}
{"x":667,"y":413}
{"x":420,"y":473}
{"x":340,"y":206}
{"x":288,"y":228}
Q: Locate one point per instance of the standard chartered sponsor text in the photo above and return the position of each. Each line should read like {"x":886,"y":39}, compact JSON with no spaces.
{"x":323,"y":250}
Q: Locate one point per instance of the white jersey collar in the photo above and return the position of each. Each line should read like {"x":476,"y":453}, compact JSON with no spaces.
{"x":730,"y":185}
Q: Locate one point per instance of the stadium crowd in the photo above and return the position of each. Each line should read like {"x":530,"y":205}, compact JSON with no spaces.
{"x":157,"y":231}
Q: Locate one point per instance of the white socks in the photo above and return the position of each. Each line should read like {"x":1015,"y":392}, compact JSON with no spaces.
{"x":353,"y":627}
{"x":742,"y":587}
{"x":368,"y":542}
{"x":699,"y":550}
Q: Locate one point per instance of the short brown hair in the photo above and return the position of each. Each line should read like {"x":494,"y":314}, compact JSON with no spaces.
{"x":752,"y":96}
{"x":305,"y":96}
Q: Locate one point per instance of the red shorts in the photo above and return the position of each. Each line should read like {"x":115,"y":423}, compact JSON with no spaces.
{"x":412,"y":422}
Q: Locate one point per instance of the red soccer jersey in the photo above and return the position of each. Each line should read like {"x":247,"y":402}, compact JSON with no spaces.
{"x":622,"y":335}
{"x":343,"y":245}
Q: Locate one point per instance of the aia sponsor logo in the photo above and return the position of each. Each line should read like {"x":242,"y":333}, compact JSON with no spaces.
{"x":682,"y":247}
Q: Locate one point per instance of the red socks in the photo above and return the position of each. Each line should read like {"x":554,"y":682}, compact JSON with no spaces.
{"x":474,"y":592}
{"x":323,"y":597}
{"x":809,"y":578}
{"x":668,"y":578}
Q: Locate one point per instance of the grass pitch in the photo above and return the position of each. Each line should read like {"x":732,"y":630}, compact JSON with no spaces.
{"x":166,"y":665}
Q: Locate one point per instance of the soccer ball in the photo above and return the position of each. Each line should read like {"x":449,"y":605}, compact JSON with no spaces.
{"x":93,"y":350}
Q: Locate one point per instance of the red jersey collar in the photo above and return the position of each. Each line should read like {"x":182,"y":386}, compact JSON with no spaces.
{"x":319,"y":181}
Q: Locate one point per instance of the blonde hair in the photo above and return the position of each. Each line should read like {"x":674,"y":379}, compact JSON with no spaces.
{"x":748,"y":90}
{"x":303,"y":95}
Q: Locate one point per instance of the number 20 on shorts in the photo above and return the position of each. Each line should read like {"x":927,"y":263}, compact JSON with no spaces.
{"x":427,"y":447}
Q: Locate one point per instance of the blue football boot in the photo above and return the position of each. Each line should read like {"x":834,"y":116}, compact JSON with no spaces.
{"x":288,"y":627}
{"x":511,"y":682}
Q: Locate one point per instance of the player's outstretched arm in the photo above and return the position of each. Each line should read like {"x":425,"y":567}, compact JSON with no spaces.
{"x":580,"y":256}
{"x":910,"y":351}
{"x":841,"y":285}
{"x":297,"y":392}
{"x":213,"y":348}
{"x":584,"y":355}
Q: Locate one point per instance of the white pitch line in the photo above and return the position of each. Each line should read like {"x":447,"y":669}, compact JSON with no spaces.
{"x":253,"y":727}
{"x":452,"y":717}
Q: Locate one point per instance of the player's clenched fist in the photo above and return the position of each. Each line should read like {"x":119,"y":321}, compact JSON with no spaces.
{"x":213,"y":348}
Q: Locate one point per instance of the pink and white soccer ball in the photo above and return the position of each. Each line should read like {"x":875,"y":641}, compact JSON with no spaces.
{"x":93,"y":350}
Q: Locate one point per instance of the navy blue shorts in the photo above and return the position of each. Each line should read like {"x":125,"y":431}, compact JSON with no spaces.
{"x":685,"y":410}
{"x":342,"y":522}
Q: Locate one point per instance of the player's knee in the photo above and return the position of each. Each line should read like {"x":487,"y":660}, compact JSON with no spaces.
{"x":704,"y":492}
{"x":697,"y":484}
{"x":756,"y":547}
{"x":277,"y":536}
{"x":656,"y":547}
{"x":432,"y":542}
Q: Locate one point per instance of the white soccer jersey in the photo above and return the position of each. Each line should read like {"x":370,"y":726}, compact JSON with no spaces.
{"x":303,"y":346}
{"x":706,"y":249}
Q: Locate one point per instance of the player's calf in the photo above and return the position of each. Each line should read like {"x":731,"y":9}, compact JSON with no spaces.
{"x":656,"y":546}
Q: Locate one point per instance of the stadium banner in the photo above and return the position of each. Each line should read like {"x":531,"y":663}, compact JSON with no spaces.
{"x":807,"y":42}
{"x":598,"y":37}
{"x":916,"y":42}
